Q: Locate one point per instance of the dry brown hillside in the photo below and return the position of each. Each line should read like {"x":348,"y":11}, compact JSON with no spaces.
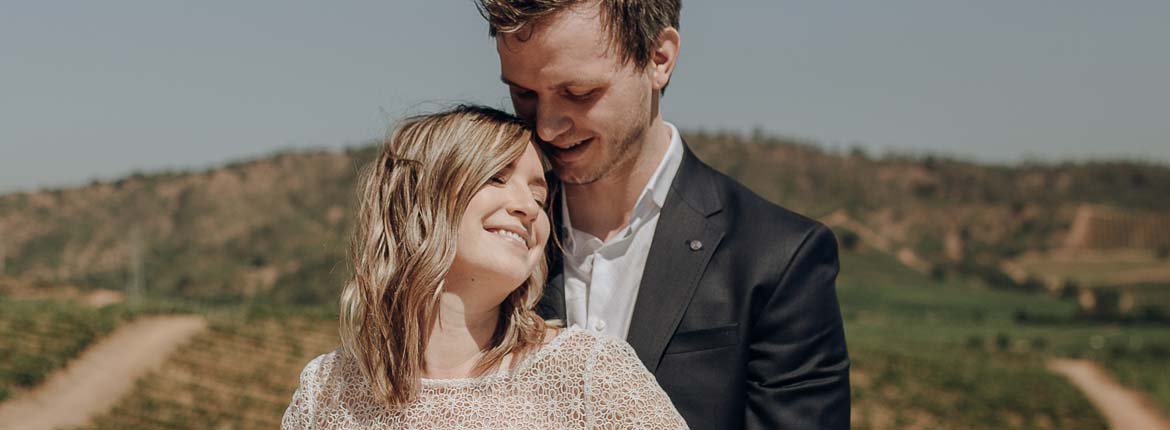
{"x":944,"y":215}
{"x":274,"y":229}
{"x":218,"y":234}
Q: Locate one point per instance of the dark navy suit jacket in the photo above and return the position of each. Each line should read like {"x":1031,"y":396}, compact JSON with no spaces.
{"x":737,"y":313}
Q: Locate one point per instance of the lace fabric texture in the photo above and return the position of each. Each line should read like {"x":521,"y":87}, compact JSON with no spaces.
{"x":579,"y":380}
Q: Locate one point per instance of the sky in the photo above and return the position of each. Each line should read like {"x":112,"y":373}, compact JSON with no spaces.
{"x":97,"y":90}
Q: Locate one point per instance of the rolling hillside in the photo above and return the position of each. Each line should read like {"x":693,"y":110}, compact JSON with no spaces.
{"x":273,"y":230}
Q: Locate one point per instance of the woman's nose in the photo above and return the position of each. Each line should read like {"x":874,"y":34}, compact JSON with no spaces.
{"x":523,"y":205}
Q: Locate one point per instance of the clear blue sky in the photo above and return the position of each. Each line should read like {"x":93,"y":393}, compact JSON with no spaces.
{"x":98,"y":89}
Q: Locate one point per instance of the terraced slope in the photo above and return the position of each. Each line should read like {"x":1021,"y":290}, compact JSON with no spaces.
{"x":931,"y":355}
{"x":40,"y":336}
{"x":239,"y":375}
{"x":101,"y":375}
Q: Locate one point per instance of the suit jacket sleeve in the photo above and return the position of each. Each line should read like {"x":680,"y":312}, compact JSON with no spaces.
{"x":798,"y":369}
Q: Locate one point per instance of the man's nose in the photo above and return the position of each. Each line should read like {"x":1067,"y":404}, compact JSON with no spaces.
{"x":551,"y":122}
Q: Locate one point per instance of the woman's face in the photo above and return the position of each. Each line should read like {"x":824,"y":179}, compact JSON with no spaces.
{"x":503,"y":233}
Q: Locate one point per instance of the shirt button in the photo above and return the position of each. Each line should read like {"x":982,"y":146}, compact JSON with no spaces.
{"x":598,"y":325}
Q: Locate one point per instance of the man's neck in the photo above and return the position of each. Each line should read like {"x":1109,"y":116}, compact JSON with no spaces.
{"x":603,"y":208}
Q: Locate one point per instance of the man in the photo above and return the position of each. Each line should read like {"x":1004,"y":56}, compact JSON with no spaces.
{"x":728,"y":299}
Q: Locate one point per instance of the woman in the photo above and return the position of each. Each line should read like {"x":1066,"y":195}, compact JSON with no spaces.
{"x":437,"y":324}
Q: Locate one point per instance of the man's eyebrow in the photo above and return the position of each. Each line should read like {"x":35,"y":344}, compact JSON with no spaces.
{"x":582,"y":83}
{"x":510,"y":83}
{"x":566,"y":84}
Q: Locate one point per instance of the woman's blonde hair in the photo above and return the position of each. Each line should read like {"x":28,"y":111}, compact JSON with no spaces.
{"x":412,"y":200}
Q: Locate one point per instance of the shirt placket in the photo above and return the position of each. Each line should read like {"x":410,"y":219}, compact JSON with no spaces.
{"x":600,"y":290}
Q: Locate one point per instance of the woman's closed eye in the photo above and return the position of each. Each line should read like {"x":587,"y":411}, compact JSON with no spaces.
{"x":539,"y":192}
{"x":502,"y":177}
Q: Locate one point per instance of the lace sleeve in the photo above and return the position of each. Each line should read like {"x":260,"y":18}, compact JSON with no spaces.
{"x":301,"y":412}
{"x":621,"y":394}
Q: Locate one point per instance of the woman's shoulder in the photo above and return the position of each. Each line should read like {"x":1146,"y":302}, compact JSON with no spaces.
{"x":593,"y":341}
{"x":568,"y":340}
{"x":325,"y":361}
{"x":325,"y":368}
{"x":328,"y":390}
{"x":576,"y":345}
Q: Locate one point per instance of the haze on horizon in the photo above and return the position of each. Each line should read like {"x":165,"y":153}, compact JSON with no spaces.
{"x":100,"y":89}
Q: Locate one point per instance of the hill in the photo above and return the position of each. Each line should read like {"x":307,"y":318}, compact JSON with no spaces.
{"x":274,"y":229}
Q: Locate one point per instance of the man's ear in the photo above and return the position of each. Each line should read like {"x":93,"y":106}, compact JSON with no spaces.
{"x":664,"y":57}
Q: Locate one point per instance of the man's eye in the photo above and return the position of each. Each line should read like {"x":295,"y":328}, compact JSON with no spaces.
{"x":581,"y":96}
{"x":523,"y":94}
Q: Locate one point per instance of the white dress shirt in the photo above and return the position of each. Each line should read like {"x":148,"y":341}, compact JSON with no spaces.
{"x":602,"y":278}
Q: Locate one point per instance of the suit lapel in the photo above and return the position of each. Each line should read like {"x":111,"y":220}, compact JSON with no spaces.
{"x":684,"y":241}
{"x":552,"y":302}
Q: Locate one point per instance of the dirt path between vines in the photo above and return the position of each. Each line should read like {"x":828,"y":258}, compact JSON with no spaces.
{"x":93,"y":382}
{"x":1123,"y":408}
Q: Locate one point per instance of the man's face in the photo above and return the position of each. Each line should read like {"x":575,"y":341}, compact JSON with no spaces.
{"x":590,"y":110}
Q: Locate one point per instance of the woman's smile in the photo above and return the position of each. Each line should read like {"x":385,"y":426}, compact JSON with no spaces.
{"x":510,"y":235}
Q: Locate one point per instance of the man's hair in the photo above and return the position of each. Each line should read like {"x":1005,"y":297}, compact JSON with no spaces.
{"x":632,"y":26}
{"x":411,"y":201}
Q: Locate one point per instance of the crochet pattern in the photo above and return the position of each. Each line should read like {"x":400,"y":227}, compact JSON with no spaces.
{"x":579,"y":380}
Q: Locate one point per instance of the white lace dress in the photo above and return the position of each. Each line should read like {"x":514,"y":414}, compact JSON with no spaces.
{"x":579,"y":380}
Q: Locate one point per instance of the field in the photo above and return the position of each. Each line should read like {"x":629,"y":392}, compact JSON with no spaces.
{"x":927,"y":353}
{"x":926,"y":350}
{"x":39,"y":336}
{"x":1099,"y":268}
{"x":240,"y":374}
{"x":933,"y":354}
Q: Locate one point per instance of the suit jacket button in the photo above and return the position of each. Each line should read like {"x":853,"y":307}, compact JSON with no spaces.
{"x":695,"y":245}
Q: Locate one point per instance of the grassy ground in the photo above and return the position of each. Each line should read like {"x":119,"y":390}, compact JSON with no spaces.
{"x":241,"y":374}
{"x":37,"y":337}
{"x":927,"y":354}
{"x":1136,"y":355}
{"x":953,"y":354}
{"x":1100,"y":268}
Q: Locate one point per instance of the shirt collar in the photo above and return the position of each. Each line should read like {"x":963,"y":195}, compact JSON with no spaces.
{"x":659,"y":185}
{"x":653,"y":195}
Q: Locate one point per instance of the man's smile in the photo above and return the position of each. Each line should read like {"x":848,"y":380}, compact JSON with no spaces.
{"x":570,"y":153}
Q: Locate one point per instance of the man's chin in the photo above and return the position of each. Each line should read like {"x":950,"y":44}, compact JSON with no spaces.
{"x":575,"y":177}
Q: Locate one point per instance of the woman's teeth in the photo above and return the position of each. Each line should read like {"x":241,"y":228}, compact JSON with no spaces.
{"x":510,"y":235}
